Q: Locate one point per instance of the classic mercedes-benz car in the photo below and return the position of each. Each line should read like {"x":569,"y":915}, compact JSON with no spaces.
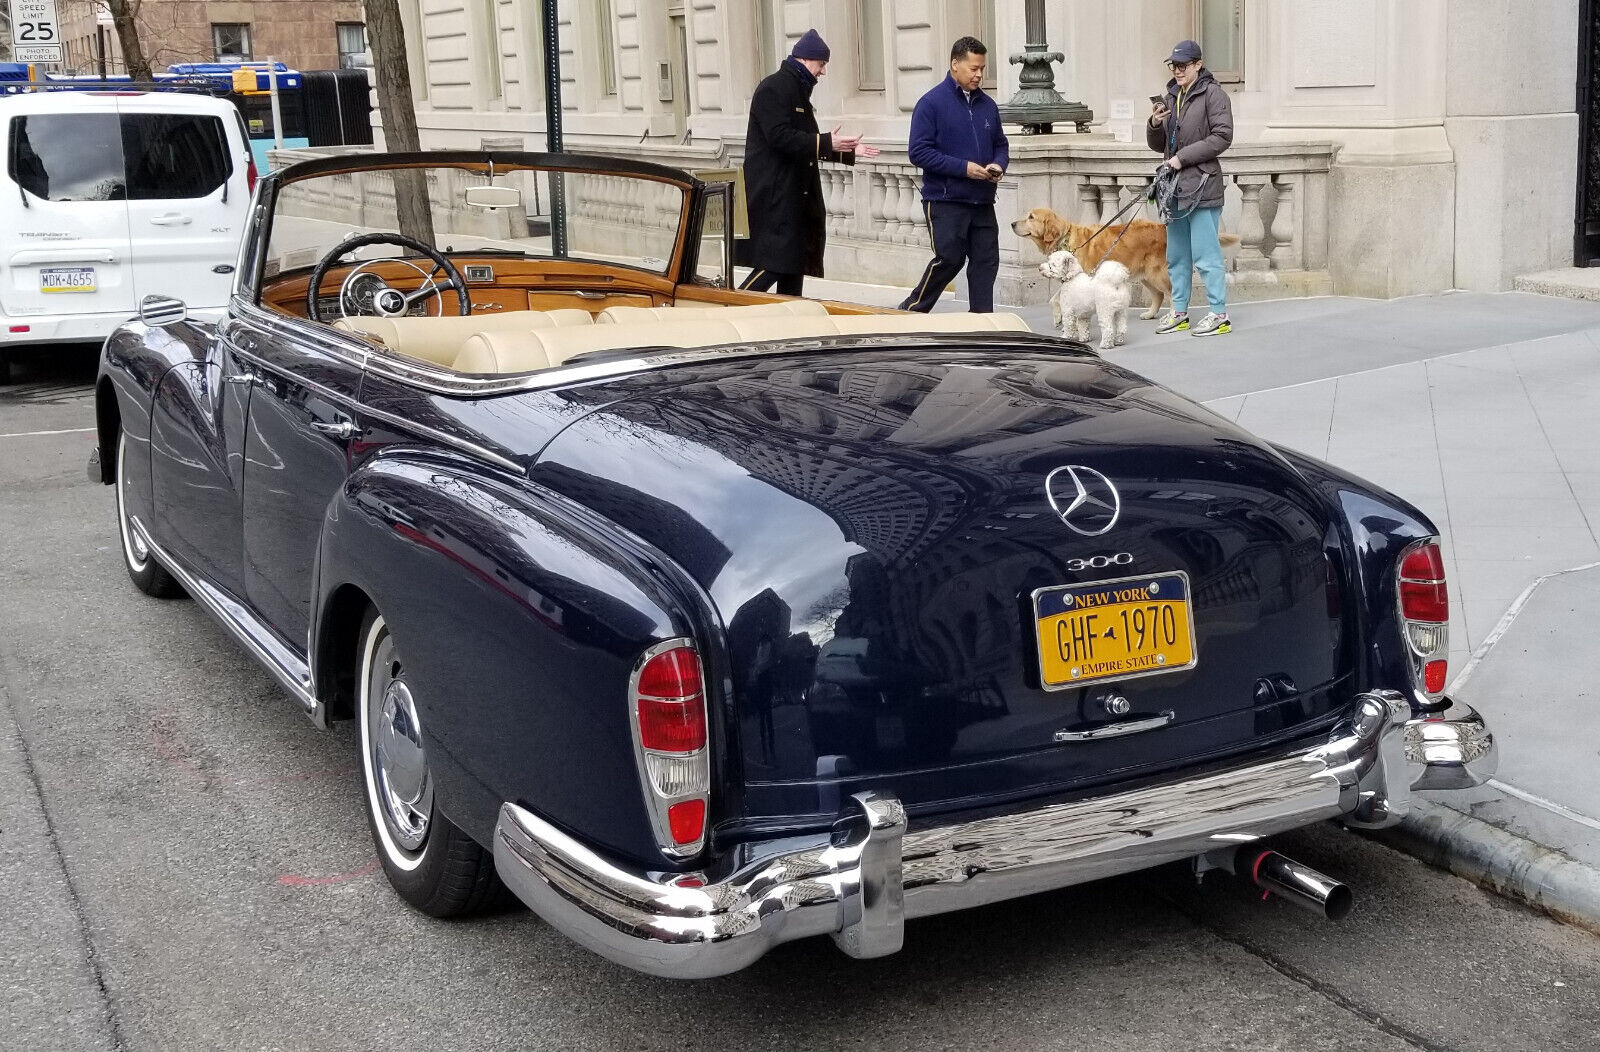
{"x":704,"y":620}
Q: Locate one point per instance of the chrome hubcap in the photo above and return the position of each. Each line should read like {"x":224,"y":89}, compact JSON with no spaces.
{"x":399,"y":761}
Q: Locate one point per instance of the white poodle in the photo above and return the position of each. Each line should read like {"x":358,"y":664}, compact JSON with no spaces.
{"x":1106,"y":295}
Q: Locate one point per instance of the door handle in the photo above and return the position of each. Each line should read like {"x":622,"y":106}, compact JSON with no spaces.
{"x":171,"y":219}
{"x":344,"y":430}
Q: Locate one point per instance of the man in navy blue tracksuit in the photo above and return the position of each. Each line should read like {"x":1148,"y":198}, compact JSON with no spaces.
{"x":957,"y":141}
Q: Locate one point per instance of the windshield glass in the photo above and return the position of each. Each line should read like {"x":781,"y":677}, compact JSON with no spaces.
{"x":622,"y":219}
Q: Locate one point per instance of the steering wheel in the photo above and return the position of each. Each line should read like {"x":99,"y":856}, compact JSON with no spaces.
{"x":385,"y":302}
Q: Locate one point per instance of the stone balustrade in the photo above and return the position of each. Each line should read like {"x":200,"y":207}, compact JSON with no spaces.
{"x":1276,"y":202}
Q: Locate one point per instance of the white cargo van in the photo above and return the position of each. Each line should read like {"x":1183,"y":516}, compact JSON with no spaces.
{"x":110,"y":196}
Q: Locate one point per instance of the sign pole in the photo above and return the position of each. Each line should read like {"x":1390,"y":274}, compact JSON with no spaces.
{"x":277,"y":110}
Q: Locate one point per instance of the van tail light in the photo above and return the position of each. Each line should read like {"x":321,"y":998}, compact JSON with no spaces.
{"x":1425,"y":617}
{"x":667,"y":698}
{"x":251,"y":175}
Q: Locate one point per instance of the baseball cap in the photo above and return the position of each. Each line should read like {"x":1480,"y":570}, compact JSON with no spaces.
{"x":1185,"y":52}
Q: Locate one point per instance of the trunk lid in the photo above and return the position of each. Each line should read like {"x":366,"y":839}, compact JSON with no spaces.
{"x":873,"y":527}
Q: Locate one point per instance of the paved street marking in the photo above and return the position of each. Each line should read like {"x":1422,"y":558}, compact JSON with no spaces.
{"x":36,"y":434}
{"x":1548,"y":805}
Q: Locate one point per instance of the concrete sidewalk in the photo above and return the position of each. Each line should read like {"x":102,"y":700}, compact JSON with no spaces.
{"x":1483,"y":410}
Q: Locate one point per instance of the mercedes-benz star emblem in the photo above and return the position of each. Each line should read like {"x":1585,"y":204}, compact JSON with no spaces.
{"x":1084,"y":499}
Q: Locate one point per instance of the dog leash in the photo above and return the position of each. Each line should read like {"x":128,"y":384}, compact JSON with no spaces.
{"x":1061,"y":242}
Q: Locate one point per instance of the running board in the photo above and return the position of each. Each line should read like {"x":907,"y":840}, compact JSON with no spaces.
{"x":293,"y":674}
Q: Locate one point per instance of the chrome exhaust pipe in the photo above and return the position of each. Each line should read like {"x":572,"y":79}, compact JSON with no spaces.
{"x":1300,"y":884}
{"x":1292,"y":881}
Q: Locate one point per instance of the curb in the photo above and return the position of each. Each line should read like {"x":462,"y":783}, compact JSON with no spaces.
{"x":1503,"y":862}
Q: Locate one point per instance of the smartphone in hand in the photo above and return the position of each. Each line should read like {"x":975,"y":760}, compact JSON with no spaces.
{"x":994,"y":170}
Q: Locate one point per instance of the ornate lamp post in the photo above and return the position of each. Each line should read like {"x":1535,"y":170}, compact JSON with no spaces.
{"x":1037,"y":104}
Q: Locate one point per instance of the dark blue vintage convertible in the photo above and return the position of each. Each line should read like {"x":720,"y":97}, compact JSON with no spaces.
{"x":704,"y":620}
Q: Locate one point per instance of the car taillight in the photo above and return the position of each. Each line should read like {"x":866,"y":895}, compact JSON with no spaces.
{"x":668,"y":702}
{"x":250,"y":173}
{"x":1425,"y":616}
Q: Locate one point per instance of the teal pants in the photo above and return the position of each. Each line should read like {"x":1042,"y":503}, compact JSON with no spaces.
{"x":1192,"y":245}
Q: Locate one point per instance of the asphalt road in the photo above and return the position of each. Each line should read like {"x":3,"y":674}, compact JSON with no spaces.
{"x":185,"y":866}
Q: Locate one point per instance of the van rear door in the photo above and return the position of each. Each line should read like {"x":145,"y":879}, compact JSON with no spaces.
{"x":188,"y":195}
{"x":64,"y":216}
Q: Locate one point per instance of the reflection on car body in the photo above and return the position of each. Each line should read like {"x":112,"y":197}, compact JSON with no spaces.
{"x":705,"y":619}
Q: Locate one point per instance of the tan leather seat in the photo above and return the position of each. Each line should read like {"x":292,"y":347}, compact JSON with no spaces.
{"x":497,"y":353}
{"x":438,"y":340}
{"x":522,"y":351}
{"x":782,"y":308}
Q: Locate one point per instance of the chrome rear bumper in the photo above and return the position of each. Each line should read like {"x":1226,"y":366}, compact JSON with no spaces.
{"x":861,"y":886}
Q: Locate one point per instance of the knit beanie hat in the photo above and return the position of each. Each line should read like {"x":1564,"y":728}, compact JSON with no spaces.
{"x":811,"y":46}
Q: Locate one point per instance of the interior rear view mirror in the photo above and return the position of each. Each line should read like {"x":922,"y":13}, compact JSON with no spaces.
{"x":494,"y":196}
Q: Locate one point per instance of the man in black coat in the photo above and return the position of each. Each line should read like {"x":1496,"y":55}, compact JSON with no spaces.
{"x":783,"y":189}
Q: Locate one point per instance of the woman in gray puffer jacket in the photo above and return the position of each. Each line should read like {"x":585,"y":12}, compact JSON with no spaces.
{"x":1191,"y":126}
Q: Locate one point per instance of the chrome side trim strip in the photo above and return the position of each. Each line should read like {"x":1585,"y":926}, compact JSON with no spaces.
{"x":291,"y":673}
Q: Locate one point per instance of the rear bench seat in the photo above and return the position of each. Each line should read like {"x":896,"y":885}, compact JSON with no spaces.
{"x":438,"y":339}
{"x":518,"y":351}
{"x":782,"y":308}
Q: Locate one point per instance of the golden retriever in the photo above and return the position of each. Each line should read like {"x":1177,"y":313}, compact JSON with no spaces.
{"x":1143,"y":249}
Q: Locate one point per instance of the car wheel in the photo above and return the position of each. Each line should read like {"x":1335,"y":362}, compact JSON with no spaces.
{"x":431,"y":863}
{"x":149,"y":576}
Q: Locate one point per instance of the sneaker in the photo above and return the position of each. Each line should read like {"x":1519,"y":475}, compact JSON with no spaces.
{"x":1173,"y":323}
{"x":1212,"y":325}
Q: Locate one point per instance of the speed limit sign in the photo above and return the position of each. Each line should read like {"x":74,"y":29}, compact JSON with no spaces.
{"x":35,"y":33}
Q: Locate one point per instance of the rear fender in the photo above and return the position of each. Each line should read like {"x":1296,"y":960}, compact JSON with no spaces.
{"x":520,"y":626}
{"x":1376,"y":526}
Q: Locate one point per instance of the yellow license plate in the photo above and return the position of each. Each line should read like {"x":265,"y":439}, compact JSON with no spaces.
{"x":1136,"y":626}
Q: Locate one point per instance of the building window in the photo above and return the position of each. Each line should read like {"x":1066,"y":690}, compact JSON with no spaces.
{"x":411,"y":24}
{"x":352,"y":45}
{"x":607,"y":47}
{"x":869,"y":45}
{"x":769,"y":38}
{"x":1221,"y":37}
{"x":989,"y":36}
{"x":489,"y":22}
{"x":231,"y":40}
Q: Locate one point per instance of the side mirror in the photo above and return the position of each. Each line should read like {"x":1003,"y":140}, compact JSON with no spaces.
{"x":494,"y":196}
{"x":162,"y":311}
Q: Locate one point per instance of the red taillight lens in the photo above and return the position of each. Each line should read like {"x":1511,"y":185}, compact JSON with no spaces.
{"x":250,"y":173}
{"x":1423,"y":593}
{"x":672,"y":726}
{"x":687,"y":821}
{"x":670,"y":706}
{"x":1433,"y":676}
{"x":672,"y":675}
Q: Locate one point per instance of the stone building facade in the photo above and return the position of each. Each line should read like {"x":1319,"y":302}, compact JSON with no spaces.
{"x":1384,"y":147}
{"x":303,"y":34}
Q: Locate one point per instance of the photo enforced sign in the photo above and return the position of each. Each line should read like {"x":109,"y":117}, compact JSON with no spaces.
{"x":35,"y":32}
